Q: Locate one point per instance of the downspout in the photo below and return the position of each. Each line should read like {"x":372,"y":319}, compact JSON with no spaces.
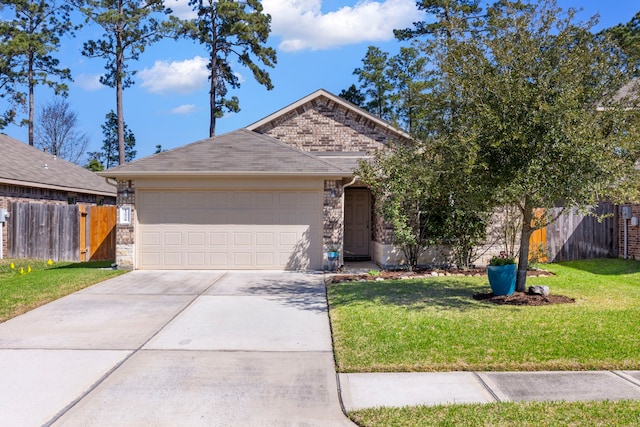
{"x":625,"y":238}
{"x":111,"y":183}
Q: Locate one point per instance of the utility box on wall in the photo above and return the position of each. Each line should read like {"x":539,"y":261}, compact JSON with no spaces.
{"x":4,"y":214}
{"x":626,"y":212}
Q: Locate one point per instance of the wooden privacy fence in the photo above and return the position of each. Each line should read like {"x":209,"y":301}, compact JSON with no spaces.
{"x":62,"y":232}
{"x":575,"y":236}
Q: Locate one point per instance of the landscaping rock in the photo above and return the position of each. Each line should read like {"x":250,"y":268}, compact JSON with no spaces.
{"x":539,"y":290}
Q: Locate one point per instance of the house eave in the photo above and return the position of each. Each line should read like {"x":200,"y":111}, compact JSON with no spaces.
{"x":56,"y":187}
{"x":221,"y":174}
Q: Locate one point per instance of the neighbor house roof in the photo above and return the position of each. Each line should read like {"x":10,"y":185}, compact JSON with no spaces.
{"x":24,"y":165}
{"x":340,"y":101}
{"x":238,"y":153}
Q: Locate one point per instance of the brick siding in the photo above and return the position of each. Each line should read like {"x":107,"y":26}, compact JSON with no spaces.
{"x":324,"y":125}
{"x":125,"y":233}
{"x":633,"y":234}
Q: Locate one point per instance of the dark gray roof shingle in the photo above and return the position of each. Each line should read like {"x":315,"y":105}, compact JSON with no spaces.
{"x":21,"y":164}
{"x":234,"y":153}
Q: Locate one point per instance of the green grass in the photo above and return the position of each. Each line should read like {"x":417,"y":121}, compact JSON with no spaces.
{"x":21,"y":292}
{"x":533,"y":414}
{"x":435,"y":325}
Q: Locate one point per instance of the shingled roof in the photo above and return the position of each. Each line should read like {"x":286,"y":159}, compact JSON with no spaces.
{"x":22,"y":164}
{"x":240,"y":153}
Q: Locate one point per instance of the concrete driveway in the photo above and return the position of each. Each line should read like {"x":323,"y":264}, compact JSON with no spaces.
{"x":175,"y":348}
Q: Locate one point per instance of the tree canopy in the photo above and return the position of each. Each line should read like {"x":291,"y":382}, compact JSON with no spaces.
{"x":523,"y":107}
{"x":29,"y":41}
{"x":109,"y":155}
{"x":231,"y":29}
{"x":534,"y":95}
{"x":129,"y":26}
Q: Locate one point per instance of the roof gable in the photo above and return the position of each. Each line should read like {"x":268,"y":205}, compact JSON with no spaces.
{"x":321,"y":93}
{"x":22,"y":164}
{"x":241,"y":152}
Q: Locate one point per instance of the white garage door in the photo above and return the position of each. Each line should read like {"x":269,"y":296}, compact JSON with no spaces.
{"x":229,"y":229}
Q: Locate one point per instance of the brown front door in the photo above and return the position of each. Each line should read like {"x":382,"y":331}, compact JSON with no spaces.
{"x":357,"y":223}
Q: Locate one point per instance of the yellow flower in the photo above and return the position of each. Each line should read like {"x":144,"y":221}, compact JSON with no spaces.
{"x":29,"y":269}
{"x":21,"y":270}
{"x":49,"y":262}
{"x":12,"y":266}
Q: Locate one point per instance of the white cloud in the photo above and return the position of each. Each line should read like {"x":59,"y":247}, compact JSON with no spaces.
{"x":180,"y":8}
{"x":89,"y":82}
{"x":183,"y":77}
{"x":302,"y":25}
{"x":184,"y":109}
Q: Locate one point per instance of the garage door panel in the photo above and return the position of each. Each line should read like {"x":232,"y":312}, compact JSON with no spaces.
{"x":196,"y":259}
{"x":172,"y":238}
{"x":218,"y":259}
{"x":225,"y":229}
{"x":217,"y":239}
{"x":172,"y":259}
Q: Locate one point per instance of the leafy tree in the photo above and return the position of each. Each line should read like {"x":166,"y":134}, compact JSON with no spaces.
{"x":230,"y":29}
{"x":30,"y":38}
{"x":57,"y":131}
{"x":110,"y":156}
{"x":353,"y":95}
{"x":402,"y":186}
{"x":427,"y":199}
{"x":534,"y":97}
{"x":130,"y":26}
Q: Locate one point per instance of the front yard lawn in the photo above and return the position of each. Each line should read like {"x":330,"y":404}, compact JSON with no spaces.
{"x":32,"y":283}
{"x":529,"y":414}
{"x":435,"y":325}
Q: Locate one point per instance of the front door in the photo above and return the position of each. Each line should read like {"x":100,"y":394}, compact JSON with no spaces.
{"x":357,"y":223}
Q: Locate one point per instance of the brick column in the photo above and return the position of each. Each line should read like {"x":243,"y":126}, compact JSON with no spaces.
{"x":125,"y":233}
{"x":332,"y":219}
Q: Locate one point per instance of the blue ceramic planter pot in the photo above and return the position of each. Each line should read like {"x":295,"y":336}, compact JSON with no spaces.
{"x":502,"y":278}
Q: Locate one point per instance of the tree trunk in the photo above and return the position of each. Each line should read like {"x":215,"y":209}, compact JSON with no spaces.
{"x":119,"y":88}
{"x":523,"y":261}
{"x":212,"y":94}
{"x":120,"y":113}
{"x":31,"y":98}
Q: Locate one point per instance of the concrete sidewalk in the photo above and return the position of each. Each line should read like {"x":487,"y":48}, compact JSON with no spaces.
{"x":366,"y":390}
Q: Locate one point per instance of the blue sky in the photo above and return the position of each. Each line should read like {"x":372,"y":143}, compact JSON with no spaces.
{"x":319,"y":44}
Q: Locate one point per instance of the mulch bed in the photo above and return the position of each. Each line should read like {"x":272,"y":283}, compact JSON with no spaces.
{"x":523,"y":298}
{"x":421,"y":274}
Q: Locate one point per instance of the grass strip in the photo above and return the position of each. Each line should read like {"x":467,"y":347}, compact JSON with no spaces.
{"x":32,"y":283}
{"x":522,"y":414}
